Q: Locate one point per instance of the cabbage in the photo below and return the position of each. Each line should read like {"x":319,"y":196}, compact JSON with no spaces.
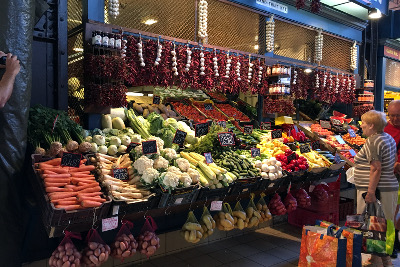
{"x":167,"y":136}
{"x":156,"y":122}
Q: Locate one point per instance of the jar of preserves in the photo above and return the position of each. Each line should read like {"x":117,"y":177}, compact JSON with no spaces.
{"x":96,"y":38}
{"x":105,"y":39}
{"x":111,"y":40}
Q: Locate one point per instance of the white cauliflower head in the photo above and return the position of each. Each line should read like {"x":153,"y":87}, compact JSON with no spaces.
{"x":183,"y":164}
{"x":170,"y":180}
{"x":160,"y":163}
{"x":142,"y":163}
{"x":185,"y":179}
{"x":149,"y":175}
{"x":169,"y":153}
{"x":194,"y":174}
{"x":174,"y":169}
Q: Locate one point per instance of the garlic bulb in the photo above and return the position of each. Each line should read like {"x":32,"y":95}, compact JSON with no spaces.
{"x":113,"y":8}
{"x":294,"y":77}
{"x":270,"y":32}
{"x":317,"y":81}
{"x":319,"y":42}
{"x":353,"y":56}
{"x":337,"y":83}
{"x":250,"y":72}
{"x":174,"y":64}
{"x":159,"y":51}
{"x":325,"y":78}
{"x":228,"y":66}
{"x":202,"y":68}
{"x":140,"y":53}
{"x":203,"y":6}
{"x":124,"y":47}
{"x":215,"y":62}
{"x":188,"y":58}
{"x":260,"y":68}
{"x":238,"y":70}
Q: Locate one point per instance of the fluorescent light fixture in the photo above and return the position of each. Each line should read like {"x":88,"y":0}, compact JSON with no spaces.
{"x":134,"y":94}
{"x":150,"y":21}
{"x":78,"y":49}
{"x":374,"y":13}
{"x":256,"y":47}
{"x":308,"y":70}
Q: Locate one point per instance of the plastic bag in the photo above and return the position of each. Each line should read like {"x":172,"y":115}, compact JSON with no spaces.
{"x":290,"y":203}
{"x":302,"y":198}
{"x":66,"y":252}
{"x":97,"y":251}
{"x":192,"y":230}
{"x":276,"y":206}
{"x":252,"y":214}
{"x":262,"y":208}
{"x":224,"y":219}
{"x":125,"y":244}
{"x":239,"y":217}
{"x":148,"y":240}
{"x":207,"y":223}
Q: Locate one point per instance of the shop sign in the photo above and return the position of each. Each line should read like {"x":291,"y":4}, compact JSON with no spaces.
{"x":273,"y":5}
{"x":391,"y":53}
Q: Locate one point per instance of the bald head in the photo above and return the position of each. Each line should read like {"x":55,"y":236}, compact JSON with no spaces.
{"x":394,"y":112}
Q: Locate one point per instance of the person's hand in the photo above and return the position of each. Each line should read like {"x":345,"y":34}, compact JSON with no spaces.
{"x":370,"y":198}
{"x":12,"y":65}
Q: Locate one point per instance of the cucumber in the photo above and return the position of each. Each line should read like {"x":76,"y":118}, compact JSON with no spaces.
{"x":251,"y":174}
{"x":234,"y":172}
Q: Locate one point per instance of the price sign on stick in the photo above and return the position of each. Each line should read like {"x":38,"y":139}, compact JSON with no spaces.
{"x":291,"y":157}
{"x":255,"y":152}
{"x":276,"y":133}
{"x":156,"y":99}
{"x":340,"y":139}
{"x":201,"y":129}
{"x":208,"y":106}
{"x":208,"y":157}
{"x":325,"y":124}
{"x":149,"y":147}
{"x":121,"y":174}
{"x":131,"y":146}
{"x":71,"y":159}
{"x":315,"y":144}
{"x":179,"y":137}
{"x":351,"y":133}
{"x":265,"y":126}
{"x":226,"y":139}
{"x":305,"y":148}
{"x":248,"y":129}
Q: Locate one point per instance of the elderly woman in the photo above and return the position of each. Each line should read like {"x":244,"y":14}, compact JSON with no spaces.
{"x":374,"y":165}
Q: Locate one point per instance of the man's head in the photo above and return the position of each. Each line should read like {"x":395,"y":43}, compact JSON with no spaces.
{"x":394,"y":112}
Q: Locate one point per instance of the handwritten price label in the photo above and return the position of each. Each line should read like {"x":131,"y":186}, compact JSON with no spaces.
{"x":248,"y":129}
{"x":156,"y":99}
{"x":226,"y":139}
{"x":71,"y":160}
{"x":208,"y":157}
{"x":352,"y":133}
{"x":216,"y":206}
{"x":109,"y":224}
{"x":325,"y":124}
{"x":179,"y":137}
{"x":149,"y":147}
{"x":265,"y":126}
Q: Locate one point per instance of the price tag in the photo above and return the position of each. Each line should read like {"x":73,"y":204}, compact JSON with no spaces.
{"x":115,"y":210}
{"x":325,"y":124}
{"x":149,"y":147}
{"x":121,"y":174}
{"x":276,"y":133}
{"x":340,"y":139}
{"x":291,"y":157}
{"x":248,"y":129}
{"x":222,"y":124}
{"x":295,"y":128}
{"x":226,"y":139}
{"x":265,"y":126}
{"x":179,"y":137}
{"x":336,"y":122}
{"x":156,"y":99}
{"x":337,"y":158}
{"x":255,"y":152}
{"x":208,"y":106}
{"x":352,"y":152}
{"x":109,"y":224}
{"x":201,"y":129}
{"x":71,"y":159}
{"x":305,"y":148}
{"x":208,"y":157}
{"x":351,"y":133}
{"x":216,"y":206}
{"x":131,"y":146}
{"x":315,"y":144}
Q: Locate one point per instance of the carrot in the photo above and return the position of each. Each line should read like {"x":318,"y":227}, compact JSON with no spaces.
{"x":56,"y":170}
{"x":81,"y":174}
{"x":46,"y":171}
{"x":81,"y":187}
{"x":97,"y":199}
{"x":48,"y":184}
{"x":70,"y":186}
{"x":43,"y":165}
{"x":51,"y":189}
{"x":57,"y":180}
{"x":68,"y":202}
{"x":54,"y":162}
{"x":90,"y":204}
{"x":61,"y":195}
{"x":90,"y":189}
{"x":93,"y":194}
{"x":82,"y":168}
{"x":68,"y":207}
{"x":63,"y":199}
{"x":60,"y":175}
{"x":86,"y":182}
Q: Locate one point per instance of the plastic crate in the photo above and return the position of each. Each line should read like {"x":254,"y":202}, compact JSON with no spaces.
{"x":178,"y":197}
{"x":346,"y":207}
{"x":332,"y":204}
{"x":244,"y":186}
{"x":59,"y":217}
{"x":206,"y":193}
{"x":301,"y":216}
{"x":139,"y":206}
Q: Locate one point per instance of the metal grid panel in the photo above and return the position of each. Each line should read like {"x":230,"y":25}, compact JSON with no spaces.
{"x":336,"y":53}
{"x":74,"y":13}
{"x":392,"y":75}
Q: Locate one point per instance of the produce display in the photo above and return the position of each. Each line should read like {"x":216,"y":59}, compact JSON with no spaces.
{"x":165,"y":111}
{"x":276,"y":206}
{"x":358,"y":140}
{"x":217,"y":96}
{"x":224,"y":219}
{"x":316,"y":128}
{"x":124,"y":246}
{"x":192,"y":231}
{"x":331,"y":140}
{"x":65,"y":254}
{"x":232,"y":112}
{"x":189,"y":112}
{"x":347,"y":155}
{"x":262,"y":208}
{"x":210,"y":113}
{"x":95,"y":254}
{"x":295,"y":165}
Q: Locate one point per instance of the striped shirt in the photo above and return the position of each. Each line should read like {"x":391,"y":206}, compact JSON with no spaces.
{"x":381,"y":147}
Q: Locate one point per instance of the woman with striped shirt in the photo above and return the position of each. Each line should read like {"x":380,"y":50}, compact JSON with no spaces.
{"x":374,"y":169}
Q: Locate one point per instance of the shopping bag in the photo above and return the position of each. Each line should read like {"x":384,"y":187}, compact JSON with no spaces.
{"x":354,"y":241}
{"x":322,"y":247}
{"x":378,"y":233}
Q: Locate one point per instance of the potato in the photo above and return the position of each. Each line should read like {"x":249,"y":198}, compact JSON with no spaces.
{"x":192,"y":226}
{"x":93,"y":245}
{"x":226,"y":223}
{"x":94,"y":259}
{"x":146,"y":113}
{"x":138,"y":108}
{"x":229,"y":217}
{"x":102,"y":256}
{"x":66,"y":264}
{"x":151,"y":249}
{"x":164,"y":116}
{"x":249,"y":212}
{"x":122,"y":246}
{"x":126,"y":254}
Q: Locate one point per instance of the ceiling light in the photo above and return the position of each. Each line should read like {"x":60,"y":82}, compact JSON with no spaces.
{"x":256,"y":47}
{"x":134,"y":94}
{"x":308,"y":70}
{"x":150,"y":21}
{"x":374,"y":13}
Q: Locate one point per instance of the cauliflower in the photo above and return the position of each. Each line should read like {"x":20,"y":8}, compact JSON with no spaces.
{"x":115,"y":141}
{"x":99,"y":139}
{"x":185,"y":179}
{"x":112,"y":150}
{"x":94,"y":147}
{"x":138,"y":150}
{"x":88,"y":139}
{"x":122,"y":149}
{"x":160,"y":163}
{"x":136,"y":138}
{"x":194,"y":174}
{"x":170,"y":180}
{"x":183,"y":164}
{"x":142,"y":163}
{"x":149,"y":175}
{"x":169,"y":153}
{"x":175,"y":170}
{"x":103,"y":149}
{"x":159,"y":141}
{"x":125,"y":140}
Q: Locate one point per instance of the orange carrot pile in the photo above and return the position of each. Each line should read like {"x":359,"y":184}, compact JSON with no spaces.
{"x":70,"y":188}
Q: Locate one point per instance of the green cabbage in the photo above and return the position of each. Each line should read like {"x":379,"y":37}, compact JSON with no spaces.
{"x":156,"y":122}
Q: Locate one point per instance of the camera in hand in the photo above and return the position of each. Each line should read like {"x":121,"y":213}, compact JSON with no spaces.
{"x":3,"y":60}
